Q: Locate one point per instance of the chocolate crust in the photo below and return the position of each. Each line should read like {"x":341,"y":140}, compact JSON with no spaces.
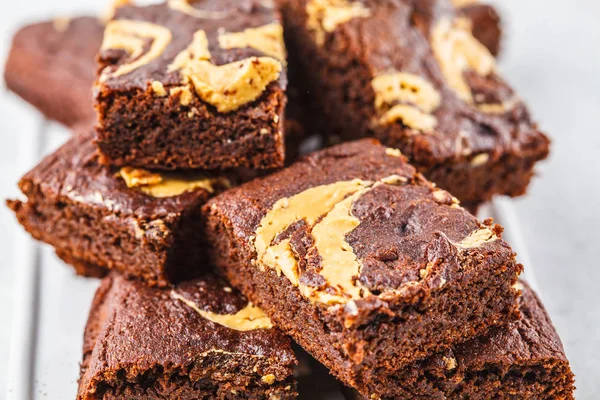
{"x":524,"y":360}
{"x":471,"y":153}
{"x":52,"y":66}
{"x":431,"y":307}
{"x":138,"y":128}
{"x":142,"y":343}
{"x":94,"y":221}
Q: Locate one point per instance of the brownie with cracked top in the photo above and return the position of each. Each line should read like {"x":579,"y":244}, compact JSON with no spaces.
{"x":52,"y":66}
{"x":366,"y":264}
{"x":197,"y":84}
{"x":144,"y":224}
{"x":197,"y":340}
{"x":524,"y":360}
{"x":411,"y":74}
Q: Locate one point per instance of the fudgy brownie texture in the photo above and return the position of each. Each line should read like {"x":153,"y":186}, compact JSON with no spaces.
{"x":485,"y":23}
{"x":192,"y":85}
{"x":524,"y":360}
{"x":52,"y":66}
{"x":199,"y":340}
{"x":410,"y":73}
{"x":367,"y":265}
{"x":145,"y":225}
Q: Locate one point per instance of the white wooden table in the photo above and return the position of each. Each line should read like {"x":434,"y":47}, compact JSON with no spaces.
{"x":551,"y":56}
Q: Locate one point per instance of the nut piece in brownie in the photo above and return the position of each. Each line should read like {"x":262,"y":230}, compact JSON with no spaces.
{"x":192,"y":84}
{"x":411,"y":74}
{"x":144,"y":224}
{"x":52,"y":66}
{"x":367,"y":265}
{"x":200,"y":340}
{"x":485,"y":23}
{"x":524,"y":360}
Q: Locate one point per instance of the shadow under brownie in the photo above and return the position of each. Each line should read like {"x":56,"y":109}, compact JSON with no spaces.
{"x":524,"y":360}
{"x":362,"y":261}
{"x":411,"y":74}
{"x":198,"y":340}
{"x":192,"y":85}
{"x":144,"y":224}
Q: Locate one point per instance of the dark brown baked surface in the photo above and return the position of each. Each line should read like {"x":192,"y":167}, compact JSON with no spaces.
{"x":52,"y":66}
{"x":411,"y":74}
{"x":88,"y":213}
{"x":524,"y":360}
{"x":362,"y":261}
{"x":192,"y":85}
{"x":144,"y":343}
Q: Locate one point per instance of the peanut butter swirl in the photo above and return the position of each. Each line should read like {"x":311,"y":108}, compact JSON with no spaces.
{"x":457,"y":51}
{"x":185,"y":7}
{"x":324,"y":16}
{"x":311,"y":205}
{"x":227,"y":80}
{"x":267,"y":39}
{"x":327,"y":210}
{"x":228,"y":86}
{"x":132,"y":36}
{"x":400,"y":96}
{"x":247,"y":319}
{"x":168,"y":184}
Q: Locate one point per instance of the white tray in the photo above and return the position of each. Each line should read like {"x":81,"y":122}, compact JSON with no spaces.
{"x":51,"y":303}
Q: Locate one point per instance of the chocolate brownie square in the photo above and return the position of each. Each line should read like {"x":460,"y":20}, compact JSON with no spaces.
{"x":146,"y":225}
{"x":198,"y":340}
{"x":367,"y":265}
{"x":524,"y":360}
{"x":192,"y":85}
{"x":411,"y":74}
{"x":52,"y":66}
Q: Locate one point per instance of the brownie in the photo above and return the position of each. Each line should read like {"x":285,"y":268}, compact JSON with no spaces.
{"x":485,"y":23}
{"x":524,"y":360}
{"x":146,"y":225}
{"x":410,"y":73}
{"x":71,"y":57}
{"x":366,"y":264}
{"x":52,"y":66}
{"x":192,"y":85}
{"x":199,"y":340}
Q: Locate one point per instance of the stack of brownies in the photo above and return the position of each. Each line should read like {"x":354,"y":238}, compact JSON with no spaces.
{"x":217,"y":247}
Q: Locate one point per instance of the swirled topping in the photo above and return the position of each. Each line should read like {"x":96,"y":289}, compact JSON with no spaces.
{"x":267,"y":39}
{"x":185,"y":7}
{"x":168,"y":184}
{"x":324,"y":16}
{"x":405,"y":97}
{"x":457,"y":52}
{"x":247,"y":319}
{"x":326,"y":212}
{"x":133,"y":36}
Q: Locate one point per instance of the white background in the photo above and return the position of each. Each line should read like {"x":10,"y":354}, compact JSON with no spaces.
{"x":551,"y":55}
